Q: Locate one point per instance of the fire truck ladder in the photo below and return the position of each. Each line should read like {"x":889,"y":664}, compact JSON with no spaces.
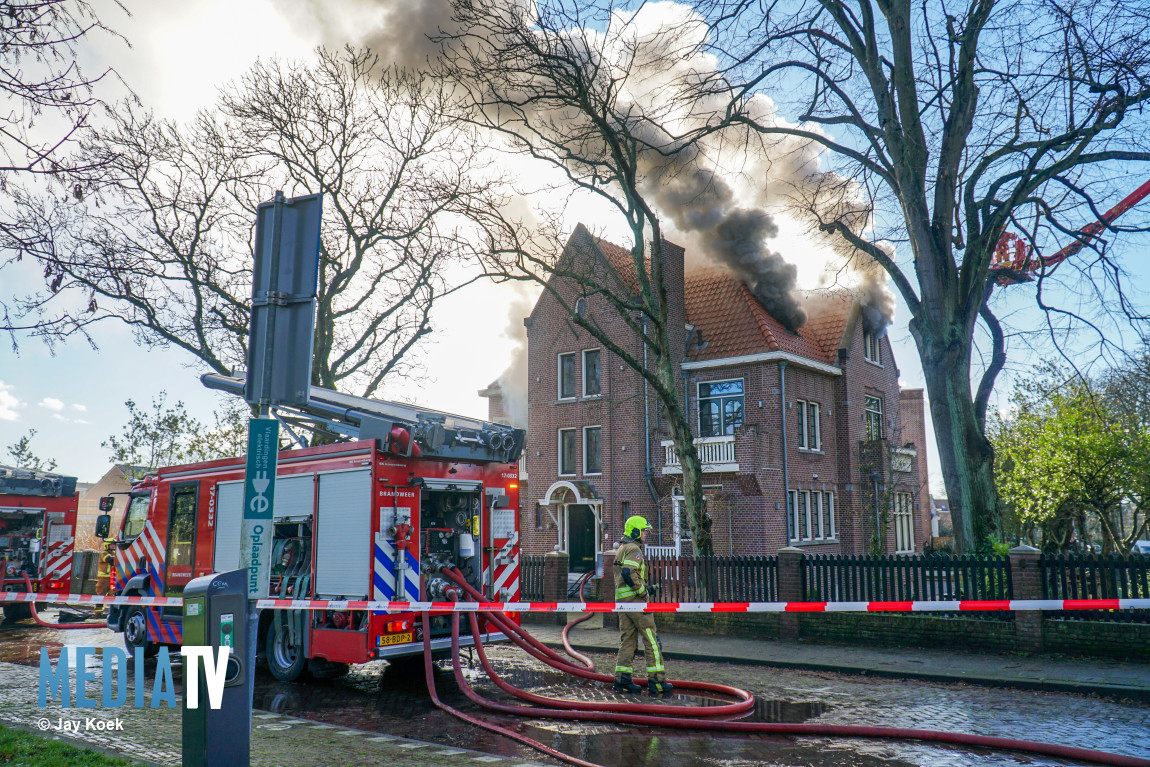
{"x":404,"y":429}
{"x":1012,"y":262}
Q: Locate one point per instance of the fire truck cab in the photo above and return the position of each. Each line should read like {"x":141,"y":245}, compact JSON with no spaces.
{"x":377,"y":517}
{"x":37,"y":533}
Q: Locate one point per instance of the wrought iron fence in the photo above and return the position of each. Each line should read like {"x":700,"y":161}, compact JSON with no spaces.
{"x":531,"y":578}
{"x":714,"y":579}
{"x":932,"y":577}
{"x":1095,"y":576}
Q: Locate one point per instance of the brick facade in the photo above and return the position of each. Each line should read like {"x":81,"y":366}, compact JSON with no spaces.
{"x":732,"y":338}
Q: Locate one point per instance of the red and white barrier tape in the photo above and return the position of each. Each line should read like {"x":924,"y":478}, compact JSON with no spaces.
{"x":709,"y":607}
{"x":616,"y":607}
{"x":88,"y":599}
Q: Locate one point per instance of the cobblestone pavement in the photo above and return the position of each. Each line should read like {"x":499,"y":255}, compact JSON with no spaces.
{"x":302,"y":723}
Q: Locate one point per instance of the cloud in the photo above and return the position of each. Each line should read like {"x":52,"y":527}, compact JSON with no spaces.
{"x":9,"y":404}
{"x":52,"y":404}
{"x":79,"y":408}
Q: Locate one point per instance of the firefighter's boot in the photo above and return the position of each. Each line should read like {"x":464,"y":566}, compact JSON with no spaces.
{"x":623,"y":683}
{"x":659,"y":688}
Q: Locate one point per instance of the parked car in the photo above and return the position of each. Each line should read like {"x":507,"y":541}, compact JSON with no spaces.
{"x":1140,"y":547}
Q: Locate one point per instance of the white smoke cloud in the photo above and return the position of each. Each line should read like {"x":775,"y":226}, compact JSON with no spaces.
{"x":513,"y":380}
{"x":9,"y":404}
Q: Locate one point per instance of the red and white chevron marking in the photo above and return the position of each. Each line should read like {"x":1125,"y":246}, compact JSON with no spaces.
{"x":88,"y":599}
{"x":147,"y":545}
{"x":615,"y":607}
{"x":58,"y":559}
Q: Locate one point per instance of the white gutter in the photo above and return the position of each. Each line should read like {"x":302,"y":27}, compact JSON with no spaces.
{"x":793,"y":359}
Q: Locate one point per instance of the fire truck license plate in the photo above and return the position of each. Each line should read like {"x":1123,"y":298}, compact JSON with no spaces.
{"x":395,"y":639}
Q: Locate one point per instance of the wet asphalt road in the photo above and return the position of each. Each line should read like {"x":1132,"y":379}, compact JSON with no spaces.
{"x":394,"y":701}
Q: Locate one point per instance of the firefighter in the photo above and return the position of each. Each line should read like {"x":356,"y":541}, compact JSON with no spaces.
{"x":631,"y":586}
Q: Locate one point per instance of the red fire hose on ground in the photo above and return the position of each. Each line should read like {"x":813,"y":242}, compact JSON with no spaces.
{"x":41,"y":622}
{"x":682,"y":717}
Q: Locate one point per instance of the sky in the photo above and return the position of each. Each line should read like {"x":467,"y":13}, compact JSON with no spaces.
{"x":73,"y":395}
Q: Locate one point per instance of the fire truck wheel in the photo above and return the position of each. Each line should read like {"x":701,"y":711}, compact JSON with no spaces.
{"x":13,"y":613}
{"x":136,"y":632}
{"x":286,"y":661}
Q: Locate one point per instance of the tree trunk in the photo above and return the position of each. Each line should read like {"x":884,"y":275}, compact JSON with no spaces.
{"x":965,"y":453}
{"x":668,"y":394}
{"x":697,"y":517}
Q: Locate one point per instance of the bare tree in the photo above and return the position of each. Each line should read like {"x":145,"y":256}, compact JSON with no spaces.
{"x":164,"y":242}
{"x":42,"y":81}
{"x":956,"y":121}
{"x":582,"y":102}
{"x":48,"y":103}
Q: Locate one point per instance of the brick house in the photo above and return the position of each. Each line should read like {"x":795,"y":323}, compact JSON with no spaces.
{"x":805,"y":437}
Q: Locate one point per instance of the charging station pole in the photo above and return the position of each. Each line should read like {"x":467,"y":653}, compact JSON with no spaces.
{"x":279,"y":361}
{"x":215,"y":616}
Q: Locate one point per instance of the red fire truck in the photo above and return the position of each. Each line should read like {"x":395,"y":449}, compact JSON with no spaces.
{"x":37,"y":533}
{"x":377,"y":516}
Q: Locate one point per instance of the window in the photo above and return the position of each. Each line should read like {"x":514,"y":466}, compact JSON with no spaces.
{"x":720,"y":407}
{"x":873,"y":417}
{"x":810,"y":515}
{"x":591,"y":387}
{"x":801,"y":411}
{"x":538,"y":516}
{"x":182,"y":527}
{"x":580,"y":306}
{"x":567,"y":376}
{"x":592,"y":450}
{"x":805,"y":515}
{"x":567,"y":451}
{"x":810,"y":430}
{"x":829,"y":514}
{"x":136,"y":517}
{"x":903,"y":523}
{"x":872,"y":348}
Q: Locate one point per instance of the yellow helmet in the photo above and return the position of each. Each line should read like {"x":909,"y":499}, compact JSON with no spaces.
{"x":634,"y":526}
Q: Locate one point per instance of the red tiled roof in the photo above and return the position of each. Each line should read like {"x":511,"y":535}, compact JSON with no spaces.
{"x":620,"y":260}
{"x":733,"y":323}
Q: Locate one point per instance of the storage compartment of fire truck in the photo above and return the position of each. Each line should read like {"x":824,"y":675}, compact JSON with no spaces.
{"x":450,"y":526}
{"x":22,"y":550}
{"x":20,"y":535}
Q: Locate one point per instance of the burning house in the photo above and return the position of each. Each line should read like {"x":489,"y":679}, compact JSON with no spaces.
{"x":805,"y":438}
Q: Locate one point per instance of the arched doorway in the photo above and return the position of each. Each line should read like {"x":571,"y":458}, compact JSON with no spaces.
{"x":577,"y":516}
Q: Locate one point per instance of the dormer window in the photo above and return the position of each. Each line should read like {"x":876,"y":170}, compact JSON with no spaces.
{"x":872,"y":348}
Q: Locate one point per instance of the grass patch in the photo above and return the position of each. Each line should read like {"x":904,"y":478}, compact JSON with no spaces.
{"x":25,"y":749}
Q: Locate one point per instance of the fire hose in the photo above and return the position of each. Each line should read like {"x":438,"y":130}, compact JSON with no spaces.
{"x":678,"y":717}
{"x":41,"y":622}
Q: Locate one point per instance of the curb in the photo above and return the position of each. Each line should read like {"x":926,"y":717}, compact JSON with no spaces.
{"x":1078,"y":688}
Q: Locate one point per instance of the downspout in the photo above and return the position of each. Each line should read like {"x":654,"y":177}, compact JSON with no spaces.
{"x":783,"y":417}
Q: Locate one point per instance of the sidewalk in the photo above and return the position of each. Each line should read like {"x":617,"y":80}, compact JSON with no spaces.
{"x":151,"y":736}
{"x":1113,"y":678}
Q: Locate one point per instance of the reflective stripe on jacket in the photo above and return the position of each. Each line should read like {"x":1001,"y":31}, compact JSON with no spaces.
{"x":630,"y":555}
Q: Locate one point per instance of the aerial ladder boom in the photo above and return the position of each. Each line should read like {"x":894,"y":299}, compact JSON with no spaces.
{"x":404,"y":429}
{"x":1012,"y":262}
